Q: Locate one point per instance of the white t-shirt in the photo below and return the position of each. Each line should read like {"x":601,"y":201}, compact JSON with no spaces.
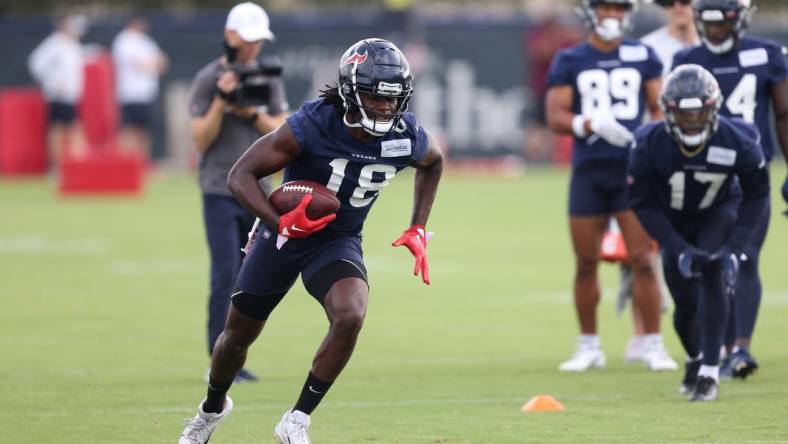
{"x":136,"y":57}
{"x":665,"y":45}
{"x":58,"y":64}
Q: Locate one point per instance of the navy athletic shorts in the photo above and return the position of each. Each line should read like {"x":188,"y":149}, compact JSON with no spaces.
{"x":598,"y":188}
{"x":267,"y":271}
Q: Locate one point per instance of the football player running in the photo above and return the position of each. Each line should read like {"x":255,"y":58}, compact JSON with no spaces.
{"x":599,"y":91}
{"x":354,"y":139}
{"x":752,"y":73}
{"x":699,"y":185}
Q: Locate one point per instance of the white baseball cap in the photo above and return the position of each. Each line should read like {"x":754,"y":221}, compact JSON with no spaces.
{"x":250,"y":22}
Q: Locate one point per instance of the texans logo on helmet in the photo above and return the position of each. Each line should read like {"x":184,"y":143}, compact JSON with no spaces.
{"x":356,"y":58}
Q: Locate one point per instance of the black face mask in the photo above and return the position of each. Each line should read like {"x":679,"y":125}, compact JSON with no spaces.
{"x":230,"y":52}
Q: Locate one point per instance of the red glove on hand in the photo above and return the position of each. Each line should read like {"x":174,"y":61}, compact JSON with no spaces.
{"x":415,"y":238}
{"x":296,"y":224}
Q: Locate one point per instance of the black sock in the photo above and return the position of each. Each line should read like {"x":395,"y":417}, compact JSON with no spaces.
{"x":217,"y":393}
{"x":311,"y":394}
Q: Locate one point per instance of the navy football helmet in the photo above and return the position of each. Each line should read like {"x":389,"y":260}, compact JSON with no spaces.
{"x":608,"y":29}
{"x":691,"y":101}
{"x":732,"y":16}
{"x":374,"y":67}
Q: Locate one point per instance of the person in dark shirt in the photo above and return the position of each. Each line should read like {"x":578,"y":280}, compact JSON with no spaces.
{"x":699,"y":185}
{"x":599,"y":91}
{"x":222,"y":128}
{"x":753,"y":75}
{"x":354,"y":139}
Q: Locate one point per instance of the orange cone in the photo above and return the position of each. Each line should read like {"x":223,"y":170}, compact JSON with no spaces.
{"x":542,"y":403}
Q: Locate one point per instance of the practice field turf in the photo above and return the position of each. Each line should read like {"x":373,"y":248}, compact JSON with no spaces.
{"x":102,"y":329}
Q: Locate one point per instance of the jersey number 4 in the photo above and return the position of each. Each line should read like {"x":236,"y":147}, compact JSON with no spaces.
{"x":741,"y":100}
{"x":366,"y":183}
{"x":598,"y":88}
{"x":678,"y":185}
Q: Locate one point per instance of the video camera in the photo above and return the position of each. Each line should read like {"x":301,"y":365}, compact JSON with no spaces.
{"x":254,"y":82}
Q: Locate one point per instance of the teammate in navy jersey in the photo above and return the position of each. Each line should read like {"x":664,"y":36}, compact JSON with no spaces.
{"x":752,"y":74}
{"x":354,"y":139}
{"x":599,"y":91}
{"x":699,"y":185}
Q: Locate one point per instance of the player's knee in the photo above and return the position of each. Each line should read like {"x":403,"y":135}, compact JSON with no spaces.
{"x":641,"y":263}
{"x":586,"y":267}
{"x":230,"y":345}
{"x":348,"y":322}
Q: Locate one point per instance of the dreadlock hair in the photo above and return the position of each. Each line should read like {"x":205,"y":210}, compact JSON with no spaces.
{"x":331,"y":96}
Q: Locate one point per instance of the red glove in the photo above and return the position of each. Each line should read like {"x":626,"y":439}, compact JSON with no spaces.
{"x":415,"y":238}
{"x":296,"y":224}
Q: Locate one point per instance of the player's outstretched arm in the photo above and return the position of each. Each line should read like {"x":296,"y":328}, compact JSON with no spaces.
{"x":428,"y":175}
{"x":266,"y":156}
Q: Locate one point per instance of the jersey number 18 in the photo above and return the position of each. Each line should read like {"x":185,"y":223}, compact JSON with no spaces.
{"x":366,"y":184}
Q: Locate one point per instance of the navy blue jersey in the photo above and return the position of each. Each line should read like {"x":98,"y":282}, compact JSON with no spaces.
{"x":746,"y":76}
{"x":605,"y":83}
{"x":354,"y":170}
{"x":684,"y":188}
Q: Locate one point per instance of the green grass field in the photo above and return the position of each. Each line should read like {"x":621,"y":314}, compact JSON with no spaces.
{"x":103,"y":310}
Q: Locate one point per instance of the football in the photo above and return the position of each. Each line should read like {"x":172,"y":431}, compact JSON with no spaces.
{"x":288,"y":195}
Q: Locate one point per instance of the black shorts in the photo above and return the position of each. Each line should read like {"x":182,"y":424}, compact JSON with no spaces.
{"x":136,"y":114}
{"x":268,"y":273}
{"x":62,"y":112}
{"x":598,"y":188}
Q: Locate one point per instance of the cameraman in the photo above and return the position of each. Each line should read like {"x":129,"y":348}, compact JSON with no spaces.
{"x":224,"y":123}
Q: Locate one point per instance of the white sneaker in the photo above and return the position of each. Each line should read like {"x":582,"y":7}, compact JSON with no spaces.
{"x":292,"y":429}
{"x":657,"y":359}
{"x":636,"y":349}
{"x":585,"y":357}
{"x":199,"y":429}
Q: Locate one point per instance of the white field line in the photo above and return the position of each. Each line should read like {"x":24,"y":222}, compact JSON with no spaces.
{"x":516,"y":402}
{"x":35,"y":244}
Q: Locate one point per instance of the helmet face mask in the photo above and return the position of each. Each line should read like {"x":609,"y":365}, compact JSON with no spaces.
{"x":721,"y":23}
{"x":375,"y":85}
{"x":691,"y":124}
{"x":691,"y":101}
{"x":609,"y":19}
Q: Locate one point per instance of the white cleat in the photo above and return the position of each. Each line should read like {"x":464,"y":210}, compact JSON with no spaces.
{"x":200,"y":428}
{"x":657,"y":359}
{"x":584,"y":359}
{"x":636,"y":349}
{"x":292,"y":429}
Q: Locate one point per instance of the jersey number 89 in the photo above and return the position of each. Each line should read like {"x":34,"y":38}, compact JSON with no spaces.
{"x":598,"y":88}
